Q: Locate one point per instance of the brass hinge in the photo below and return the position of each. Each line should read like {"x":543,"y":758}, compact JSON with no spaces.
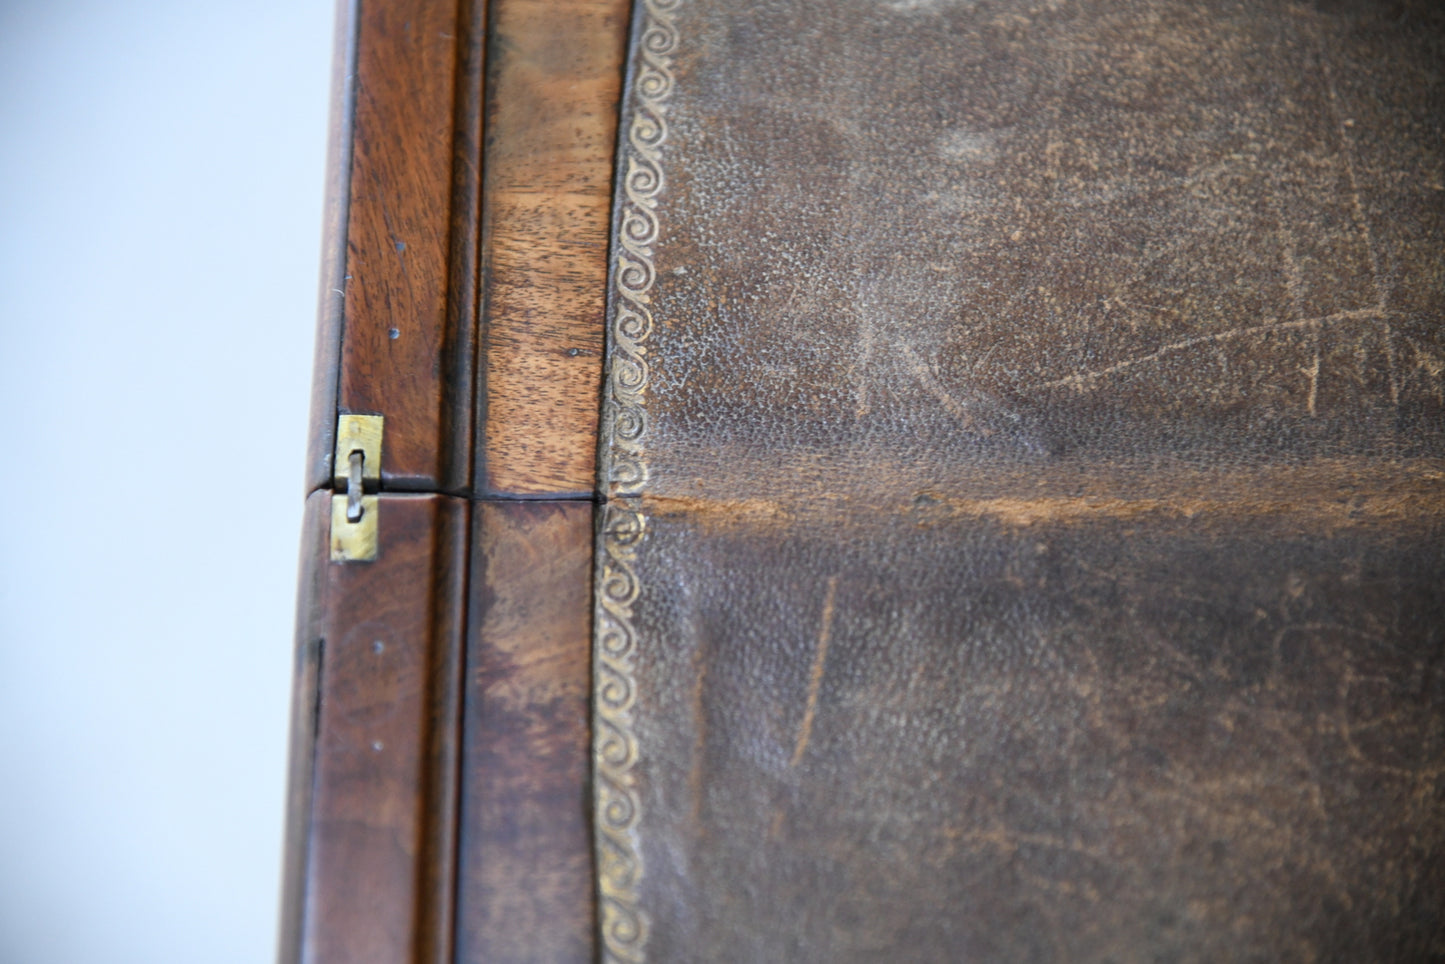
{"x":357,"y":470}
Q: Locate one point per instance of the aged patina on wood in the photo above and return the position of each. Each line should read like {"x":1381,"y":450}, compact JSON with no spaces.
{"x":552,"y":100}
{"x":1024,"y":534}
{"x":525,"y":886}
{"x":439,"y":805}
{"x":381,"y":834}
{"x":371,"y":828}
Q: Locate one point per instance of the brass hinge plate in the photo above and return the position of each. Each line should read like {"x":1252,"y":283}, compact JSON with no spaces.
{"x":357,"y":471}
{"x":353,"y":541}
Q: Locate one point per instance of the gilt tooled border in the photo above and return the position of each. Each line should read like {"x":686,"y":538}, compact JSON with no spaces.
{"x":618,"y":804}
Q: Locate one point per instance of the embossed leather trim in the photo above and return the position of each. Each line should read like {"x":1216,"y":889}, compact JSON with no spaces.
{"x":624,"y":469}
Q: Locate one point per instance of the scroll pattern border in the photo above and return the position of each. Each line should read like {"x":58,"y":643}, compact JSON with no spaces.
{"x":615,"y":750}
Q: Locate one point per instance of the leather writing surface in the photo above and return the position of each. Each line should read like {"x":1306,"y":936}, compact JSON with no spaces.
{"x":1023,"y":461}
{"x":979,"y":230}
{"x":965,"y":739}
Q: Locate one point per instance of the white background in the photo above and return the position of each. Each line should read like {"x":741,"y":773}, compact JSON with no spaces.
{"x":161,"y":177}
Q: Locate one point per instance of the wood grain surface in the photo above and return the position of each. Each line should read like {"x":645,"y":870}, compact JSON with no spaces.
{"x":379,"y":858}
{"x":305,"y":695}
{"x":407,"y":340}
{"x":321,"y":437}
{"x":379,"y":865}
{"x":554,"y":79}
{"x":525,"y":881}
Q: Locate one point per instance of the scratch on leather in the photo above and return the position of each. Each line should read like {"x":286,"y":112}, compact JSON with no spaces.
{"x":624,"y":467}
{"x":815,"y":677}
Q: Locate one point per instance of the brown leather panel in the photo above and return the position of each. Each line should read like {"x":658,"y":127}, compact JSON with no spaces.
{"x":981,"y":232}
{"x":552,"y":92}
{"x":407,"y":340}
{"x":1025,"y":478}
{"x":380,"y":859}
{"x":526,"y":886}
{"x":961,"y":738}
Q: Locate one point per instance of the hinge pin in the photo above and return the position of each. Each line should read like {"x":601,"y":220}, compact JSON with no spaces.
{"x":355,"y":486}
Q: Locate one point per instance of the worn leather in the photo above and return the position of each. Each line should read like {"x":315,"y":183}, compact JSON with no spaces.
{"x":1045,"y":537}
